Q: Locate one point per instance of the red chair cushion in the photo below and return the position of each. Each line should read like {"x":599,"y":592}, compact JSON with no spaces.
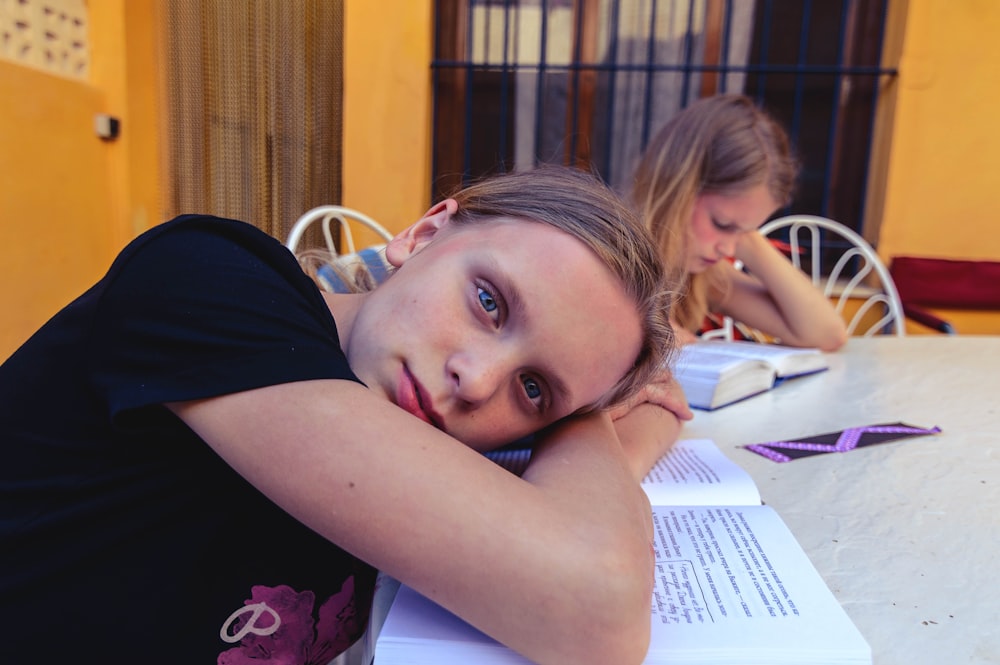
{"x":947,"y":283}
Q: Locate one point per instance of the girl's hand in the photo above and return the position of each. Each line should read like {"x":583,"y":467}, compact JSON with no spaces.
{"x":662,"y":391}
{"x":752,"y":248}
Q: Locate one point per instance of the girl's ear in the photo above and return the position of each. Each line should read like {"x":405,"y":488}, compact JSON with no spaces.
{"x":412,"y":239}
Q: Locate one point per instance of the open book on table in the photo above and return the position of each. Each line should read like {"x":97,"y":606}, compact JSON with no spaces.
{"x":717,"y":373}
{"x":733,"y":586}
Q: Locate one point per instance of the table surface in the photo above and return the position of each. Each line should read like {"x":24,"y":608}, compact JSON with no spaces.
{"x":904,"y":533}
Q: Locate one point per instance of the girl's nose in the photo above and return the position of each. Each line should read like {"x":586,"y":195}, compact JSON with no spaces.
{"x":476,"y":375}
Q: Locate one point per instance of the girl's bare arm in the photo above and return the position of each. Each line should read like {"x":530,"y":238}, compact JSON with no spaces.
{"x":779,"y":299}
{"x":556,"y":564}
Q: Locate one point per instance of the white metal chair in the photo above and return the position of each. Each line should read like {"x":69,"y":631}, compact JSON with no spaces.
{"x":870,"y":283}
{"x":351,"y":269}
{"x":326,"y":215}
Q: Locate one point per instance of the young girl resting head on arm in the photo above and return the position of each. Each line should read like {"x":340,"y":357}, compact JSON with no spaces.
{"x":707,"y":181}
{"x":207,"y":458}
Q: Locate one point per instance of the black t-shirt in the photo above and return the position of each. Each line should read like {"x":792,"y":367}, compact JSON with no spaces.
{"x":123,"y":536}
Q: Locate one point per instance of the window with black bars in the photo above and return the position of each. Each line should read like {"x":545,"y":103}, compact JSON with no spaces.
{"x":588,"y":82}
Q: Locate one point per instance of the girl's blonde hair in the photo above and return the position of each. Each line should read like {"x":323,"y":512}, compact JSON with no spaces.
{"x":718,"y":145}
{"x":581,"y":205}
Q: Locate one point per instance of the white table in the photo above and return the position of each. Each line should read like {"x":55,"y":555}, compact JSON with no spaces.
{"x":906,"y":533}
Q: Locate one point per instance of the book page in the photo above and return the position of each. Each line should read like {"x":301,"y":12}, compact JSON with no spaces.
{"x":696,"y":472}
{"x":712,"y":378}
{"x":787,"y":360}
{"x":734,"y":578}
{"x":743,"y":349}
{"x":711,"y":360}
{"x":418,"y":631}
{"x":732,"y":587}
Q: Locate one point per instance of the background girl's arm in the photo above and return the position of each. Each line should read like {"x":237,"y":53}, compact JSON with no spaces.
{"x":556,"y":564}
{"x":779,"y":299}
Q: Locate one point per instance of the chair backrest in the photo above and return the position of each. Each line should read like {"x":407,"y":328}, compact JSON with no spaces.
{"x":946,"y":286}
{"x":806,"y":236}
{"x":947,"y":283}
{"x":351,"y":269}
{"x":326,"y":215}
{"x":870,"y":282}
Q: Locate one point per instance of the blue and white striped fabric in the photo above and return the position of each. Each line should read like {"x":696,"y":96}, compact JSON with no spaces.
{"x":350,"y":273}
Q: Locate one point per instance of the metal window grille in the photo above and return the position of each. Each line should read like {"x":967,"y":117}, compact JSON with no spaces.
{"x":519,"y":82}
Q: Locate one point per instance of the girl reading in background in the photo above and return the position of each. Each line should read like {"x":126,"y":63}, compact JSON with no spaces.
{"x":707,"y":181}
{"x":206,"y":458}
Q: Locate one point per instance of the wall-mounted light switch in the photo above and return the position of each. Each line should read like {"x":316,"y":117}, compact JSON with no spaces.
{"x":106,"y":126}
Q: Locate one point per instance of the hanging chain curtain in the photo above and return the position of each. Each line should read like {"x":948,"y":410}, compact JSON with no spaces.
{"x":253,"y":105}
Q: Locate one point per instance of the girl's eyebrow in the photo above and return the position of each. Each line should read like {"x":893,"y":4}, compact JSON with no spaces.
{"x":516,"y":306}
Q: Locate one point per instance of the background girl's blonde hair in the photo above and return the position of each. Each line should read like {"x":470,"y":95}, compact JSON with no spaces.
{"x":581,"y":205}
{"x":718,"y":145}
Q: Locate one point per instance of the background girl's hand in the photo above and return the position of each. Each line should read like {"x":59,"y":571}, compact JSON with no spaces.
{"x":751,"y":248}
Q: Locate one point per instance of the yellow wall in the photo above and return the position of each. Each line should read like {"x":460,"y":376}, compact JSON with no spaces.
{"x":68,"y":200}
{"x":387,"y":109}
{"x":944,"y":165}
{"x":55,"y":198}
{"x":130,"y":85}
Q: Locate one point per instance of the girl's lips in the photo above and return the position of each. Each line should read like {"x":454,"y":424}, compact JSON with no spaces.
{"x":412,"y":397}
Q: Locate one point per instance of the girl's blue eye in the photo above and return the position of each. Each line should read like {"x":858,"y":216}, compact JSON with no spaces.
{"x":487,"y":301}
{"x":531,"y":387}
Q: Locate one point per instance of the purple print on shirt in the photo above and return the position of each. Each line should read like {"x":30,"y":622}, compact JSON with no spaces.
{"x":278,"y":626}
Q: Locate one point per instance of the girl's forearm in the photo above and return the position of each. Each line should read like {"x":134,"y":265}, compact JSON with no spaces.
{"x":556,"y":564}
{"x":808,"y":316}
{"x":583,"y":469}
